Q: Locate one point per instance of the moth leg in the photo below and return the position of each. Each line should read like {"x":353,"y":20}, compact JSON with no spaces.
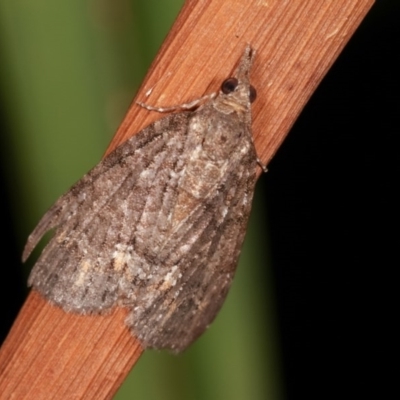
{"x":185,"y":106}
{"x":263,"y":167}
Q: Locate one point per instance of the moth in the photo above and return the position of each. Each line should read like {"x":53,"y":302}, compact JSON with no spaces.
{"x":157,"y":226}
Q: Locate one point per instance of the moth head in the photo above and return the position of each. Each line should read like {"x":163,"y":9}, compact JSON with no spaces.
{"x":231,"y":85}
{"x":237,"y":89}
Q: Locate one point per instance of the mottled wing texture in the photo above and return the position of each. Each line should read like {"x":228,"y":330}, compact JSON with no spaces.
{"x":156,"y":227}
{"x":98,"y":213}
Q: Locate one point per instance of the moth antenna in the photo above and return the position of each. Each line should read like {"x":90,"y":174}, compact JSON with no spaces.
{"x":185,"y":106}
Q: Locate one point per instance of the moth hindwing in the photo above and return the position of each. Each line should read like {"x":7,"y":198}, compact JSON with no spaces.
{"x":157,"y":226}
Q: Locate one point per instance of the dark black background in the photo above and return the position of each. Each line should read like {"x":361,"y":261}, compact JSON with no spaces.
{"x":332,"y":198}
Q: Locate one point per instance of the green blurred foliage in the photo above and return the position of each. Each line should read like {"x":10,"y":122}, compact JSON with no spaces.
{"x":68,"y":73}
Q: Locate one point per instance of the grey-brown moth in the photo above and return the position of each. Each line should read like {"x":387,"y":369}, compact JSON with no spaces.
{"x":157,"y":226}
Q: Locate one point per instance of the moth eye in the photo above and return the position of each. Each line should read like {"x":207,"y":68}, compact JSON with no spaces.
{"x":229,"y":85}
{"x":253,"y":93}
